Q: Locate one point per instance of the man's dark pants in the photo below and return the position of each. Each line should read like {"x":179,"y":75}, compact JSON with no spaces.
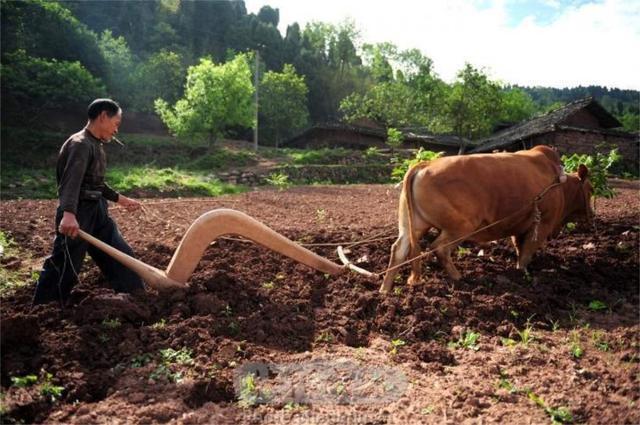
{"x":68,"y":255}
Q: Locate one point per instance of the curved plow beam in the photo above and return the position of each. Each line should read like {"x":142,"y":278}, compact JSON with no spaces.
{"x":216,"y":223}
{"x":156,"y":278}
{"x":200,"y":234}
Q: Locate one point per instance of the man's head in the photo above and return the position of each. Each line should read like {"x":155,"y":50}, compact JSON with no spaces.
{"x":104,"y":116}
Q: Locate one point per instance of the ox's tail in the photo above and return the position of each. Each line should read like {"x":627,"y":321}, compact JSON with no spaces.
{"x":407,"y":188}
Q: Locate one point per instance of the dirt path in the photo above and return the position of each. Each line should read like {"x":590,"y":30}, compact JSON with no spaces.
{"x":334,"y":349}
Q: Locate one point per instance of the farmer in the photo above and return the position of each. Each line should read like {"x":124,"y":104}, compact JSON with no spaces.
{"x":83,"y":195}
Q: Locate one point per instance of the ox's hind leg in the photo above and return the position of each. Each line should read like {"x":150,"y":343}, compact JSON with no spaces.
{"x":416,"y":265}
{"x":443,"y":247}
{"x":401,"y":250}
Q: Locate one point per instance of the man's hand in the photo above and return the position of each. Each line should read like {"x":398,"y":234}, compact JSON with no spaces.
{"x":128,"y":203}
{"x":69,"y":225}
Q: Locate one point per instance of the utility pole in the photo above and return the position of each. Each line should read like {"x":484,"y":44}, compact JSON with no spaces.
{"x":256,"y":80}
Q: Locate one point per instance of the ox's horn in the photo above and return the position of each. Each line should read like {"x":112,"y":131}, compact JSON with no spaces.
{"x":200,"y":234}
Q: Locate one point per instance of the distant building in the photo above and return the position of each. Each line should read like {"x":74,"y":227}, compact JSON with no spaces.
{"x":334,"y":135}
{"x":578,"y":127}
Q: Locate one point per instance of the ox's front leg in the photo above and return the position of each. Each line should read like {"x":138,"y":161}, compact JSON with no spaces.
{"x":399,"y":253}
{"x":527,"y":246}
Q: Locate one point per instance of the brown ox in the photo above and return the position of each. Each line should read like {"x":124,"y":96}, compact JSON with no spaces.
{"x":459,"y":195}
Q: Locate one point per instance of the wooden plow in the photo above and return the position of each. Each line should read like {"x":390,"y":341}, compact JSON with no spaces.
{"x":207,"y":228}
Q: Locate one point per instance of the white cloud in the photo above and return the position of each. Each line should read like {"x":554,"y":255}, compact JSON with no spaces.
{"x":591,"y":43}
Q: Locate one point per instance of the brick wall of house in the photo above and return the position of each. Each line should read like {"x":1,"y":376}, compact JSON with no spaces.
{"x":569,"y":141}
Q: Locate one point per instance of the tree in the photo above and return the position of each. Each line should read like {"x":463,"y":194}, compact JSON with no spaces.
{"x":120,"y":67}
{"x":48,"y":30}
{"x":517,"y":106}
{"x":394,"y":138}
{"x":30,"y":85}
{"x":391,"y":104}
{"x":379,"y":56}
{"x":283,"y":103}
{"x":268,"y":15}
{"x":215,"y":97}
{"x":474,"y":103}
{"x":160,"y":76}
{"x":630,"y":121}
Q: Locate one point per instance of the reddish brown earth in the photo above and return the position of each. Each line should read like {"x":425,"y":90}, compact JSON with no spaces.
{"x":246,"y":304}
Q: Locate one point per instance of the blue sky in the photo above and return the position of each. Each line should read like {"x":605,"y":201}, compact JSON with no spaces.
{"x":556,"y":43}
{"x":543,"y":12}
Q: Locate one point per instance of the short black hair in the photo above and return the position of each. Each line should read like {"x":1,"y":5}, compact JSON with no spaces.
{"x":97,"y":106}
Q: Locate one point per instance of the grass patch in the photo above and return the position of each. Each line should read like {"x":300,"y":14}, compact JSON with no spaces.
{"x":597,"y":305}
{"x":395,"y":345}
{"x":575,"y":348}
{"x":168,"y":181}
{"x":27,"y":182}
{"x":13,"y":278}
{"x":469,"y":341}
{"x":169,"y":363}
{"x":558,"y":415}
{"x":218,"y":159}
{"x":250,"y":394}
{"x":45,"y":385}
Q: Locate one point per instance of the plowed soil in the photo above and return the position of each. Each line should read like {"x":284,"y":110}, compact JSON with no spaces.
{"x":539,"y":347}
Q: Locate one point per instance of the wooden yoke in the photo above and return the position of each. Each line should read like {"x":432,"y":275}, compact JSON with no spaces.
{"x":200,"y":234}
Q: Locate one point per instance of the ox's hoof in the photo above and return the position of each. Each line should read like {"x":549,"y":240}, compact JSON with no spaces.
{"x":384,"y":291}
{"x":455,"y":275}
{"x":414,"y":281}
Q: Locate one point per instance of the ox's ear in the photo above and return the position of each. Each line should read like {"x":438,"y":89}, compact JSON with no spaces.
{"x":583,"y":172}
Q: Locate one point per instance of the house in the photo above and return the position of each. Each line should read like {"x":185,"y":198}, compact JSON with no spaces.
{"x":578,"y":127}
{"x":334,"y":135}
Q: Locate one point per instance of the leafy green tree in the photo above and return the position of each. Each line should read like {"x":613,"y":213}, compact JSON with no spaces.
{"x":215,"y":97}
{"x":415,"y":97}
{"x":283,"y":103}
{"x":630,"y":121}
{"x":429,"y":90}
{"x":31,"y":85}
{"x":394,"y":138}
{"x":328,"y":58}
{"x":48,"y":30}
{"x":160,"y":76}
{"x":120,"y":67}
{"x":517,"y":106}
{"x":292,"y":43}
{"x":474,"y":103}
{"x":391,"y":104}
{"x":268,"y":15}
{"x":379,"y":56}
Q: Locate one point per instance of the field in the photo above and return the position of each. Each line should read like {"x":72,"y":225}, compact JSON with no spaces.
{"x":560,"y":344}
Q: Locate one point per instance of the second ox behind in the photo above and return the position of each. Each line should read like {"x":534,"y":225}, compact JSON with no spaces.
{"x":459,"y":195}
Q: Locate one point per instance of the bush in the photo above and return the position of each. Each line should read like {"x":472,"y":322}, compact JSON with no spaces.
{"x":30,"y":84}
{"x":221,"y":158}
{"x":598,"y":165}
{"x":399,"y":171}
{"x":394,"y":138}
